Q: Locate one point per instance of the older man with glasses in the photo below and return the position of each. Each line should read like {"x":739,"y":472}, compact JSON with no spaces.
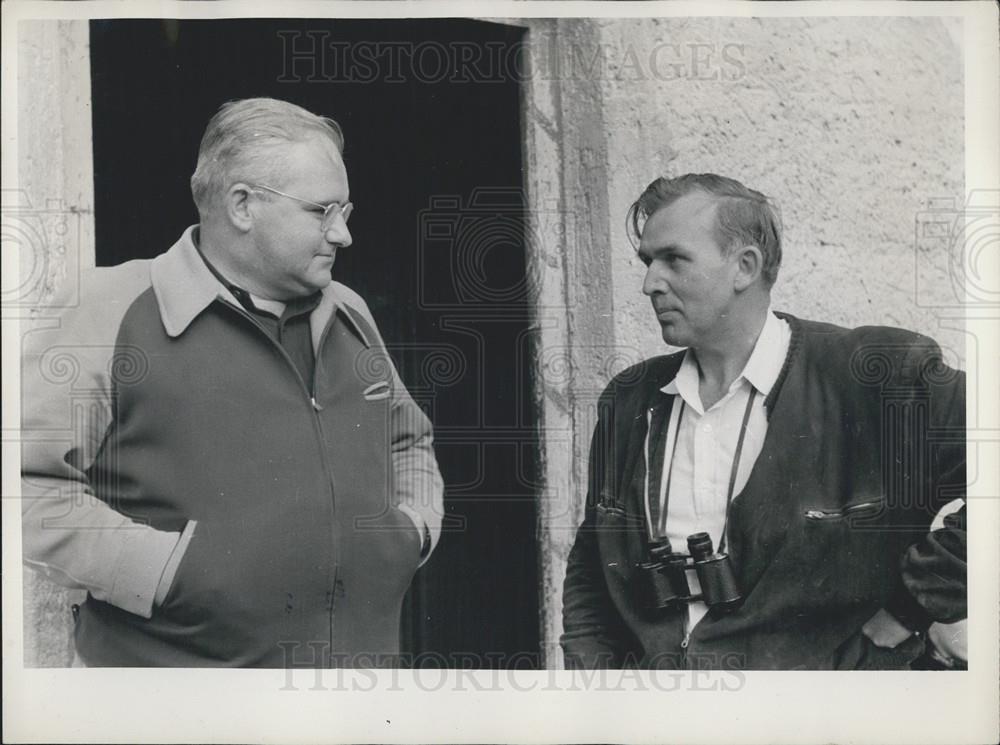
{"x":249,"y":483}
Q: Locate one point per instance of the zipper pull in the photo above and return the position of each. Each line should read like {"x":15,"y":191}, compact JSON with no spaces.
{"x":687,"y":638}
{"x":315,"y":404}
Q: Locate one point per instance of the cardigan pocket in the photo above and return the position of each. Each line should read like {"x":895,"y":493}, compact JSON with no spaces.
{"x":608,"y":511}
{"x":846,"y":547}
{"x":860,"y":510}
{"x":614,"y":518}
{"x":621,"y":538}
{"x":377,"y":391}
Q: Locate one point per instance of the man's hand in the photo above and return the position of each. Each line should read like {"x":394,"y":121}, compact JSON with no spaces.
{"x":421,"y":525}
{"x":950,"y":642}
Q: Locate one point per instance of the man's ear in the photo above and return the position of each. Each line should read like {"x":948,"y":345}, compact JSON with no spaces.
{"x":749,"y":265}
{"x":237,"y":207}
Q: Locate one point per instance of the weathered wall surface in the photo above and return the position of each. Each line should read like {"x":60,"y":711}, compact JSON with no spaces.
{"x":853,"y":125}
{"x":50,"y":220}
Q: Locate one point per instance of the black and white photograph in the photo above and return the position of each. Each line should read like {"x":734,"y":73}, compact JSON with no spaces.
{"x":501,"y":372}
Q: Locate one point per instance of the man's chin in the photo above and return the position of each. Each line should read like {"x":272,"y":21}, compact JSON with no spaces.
{"x":319,"y":281}
{"x":672,"y":336}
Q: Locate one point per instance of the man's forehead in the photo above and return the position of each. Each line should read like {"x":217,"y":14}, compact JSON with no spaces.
{"x":314,"y":161}
{"x":691,"y":211}
{"x":317,"y":148}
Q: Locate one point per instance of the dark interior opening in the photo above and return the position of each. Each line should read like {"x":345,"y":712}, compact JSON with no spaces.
{"x":431,"y":113}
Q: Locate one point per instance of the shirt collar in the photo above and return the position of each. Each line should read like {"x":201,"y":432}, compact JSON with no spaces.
{"x":259,"y":305}
{"x":768,"y":356}
{"x":761,"y":370}
{"x":184,"y":285}
{"x":248,"y":301}
{"x":685,"y":382}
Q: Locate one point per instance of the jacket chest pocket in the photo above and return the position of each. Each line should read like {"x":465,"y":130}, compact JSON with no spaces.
{"x":848,"y":549}
{"x":352,"y":371}
{"x":857,"y":512}
{"x":621,"y":537}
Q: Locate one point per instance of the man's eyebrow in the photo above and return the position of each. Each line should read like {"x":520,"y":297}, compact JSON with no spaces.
{"x":661,"y":249}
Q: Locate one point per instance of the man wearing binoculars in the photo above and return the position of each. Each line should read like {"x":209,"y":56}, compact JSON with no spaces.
{"x":764,"y":499}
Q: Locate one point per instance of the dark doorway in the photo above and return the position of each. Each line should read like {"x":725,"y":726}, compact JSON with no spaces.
{"x":431,"y":112}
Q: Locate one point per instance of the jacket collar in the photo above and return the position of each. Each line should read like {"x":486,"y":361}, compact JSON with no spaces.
{"x":663,"y":392}
{"x":184,"y":286}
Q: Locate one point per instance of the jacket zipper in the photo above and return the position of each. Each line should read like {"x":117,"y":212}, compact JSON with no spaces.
{"x":685,"y":642}
{"x":321,"y":436}
{"x":319,"y":426}
{"x":843,"y":512}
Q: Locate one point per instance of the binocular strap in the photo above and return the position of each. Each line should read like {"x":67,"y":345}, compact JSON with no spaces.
{"x":657,"y":513}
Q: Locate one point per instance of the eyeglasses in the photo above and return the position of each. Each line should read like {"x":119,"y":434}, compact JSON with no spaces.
{"x":330,"y":211}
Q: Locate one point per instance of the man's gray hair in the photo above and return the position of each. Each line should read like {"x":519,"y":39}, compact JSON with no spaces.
{"x":243,"y":142}
{"x":744,"y":217}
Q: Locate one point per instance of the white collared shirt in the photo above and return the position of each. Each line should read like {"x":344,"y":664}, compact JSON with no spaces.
{"x":706,"y":445}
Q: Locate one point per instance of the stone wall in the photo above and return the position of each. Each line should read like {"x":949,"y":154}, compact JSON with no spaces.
{"x":49,"y":217}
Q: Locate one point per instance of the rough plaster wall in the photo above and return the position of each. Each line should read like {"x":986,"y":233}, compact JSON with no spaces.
{"x":53,"y":231}
{"x":852,"y":125}
{"x":55,"y":161}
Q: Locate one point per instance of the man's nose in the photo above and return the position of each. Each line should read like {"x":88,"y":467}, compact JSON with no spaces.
{"x":652,"y":284}
{"x":338,"y":233}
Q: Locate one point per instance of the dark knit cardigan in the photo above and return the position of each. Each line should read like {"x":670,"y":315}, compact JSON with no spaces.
{"x":865,"y":443}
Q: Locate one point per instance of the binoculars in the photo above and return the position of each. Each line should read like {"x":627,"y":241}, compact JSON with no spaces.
{"x":664,"y":578}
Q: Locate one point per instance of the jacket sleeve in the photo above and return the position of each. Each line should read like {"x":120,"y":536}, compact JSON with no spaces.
{"x":933,"y":569}
{"x":418,"y":480}
{"x":594,"y":634}
{"x":69,"y":534}
{"x":419,"y":487}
